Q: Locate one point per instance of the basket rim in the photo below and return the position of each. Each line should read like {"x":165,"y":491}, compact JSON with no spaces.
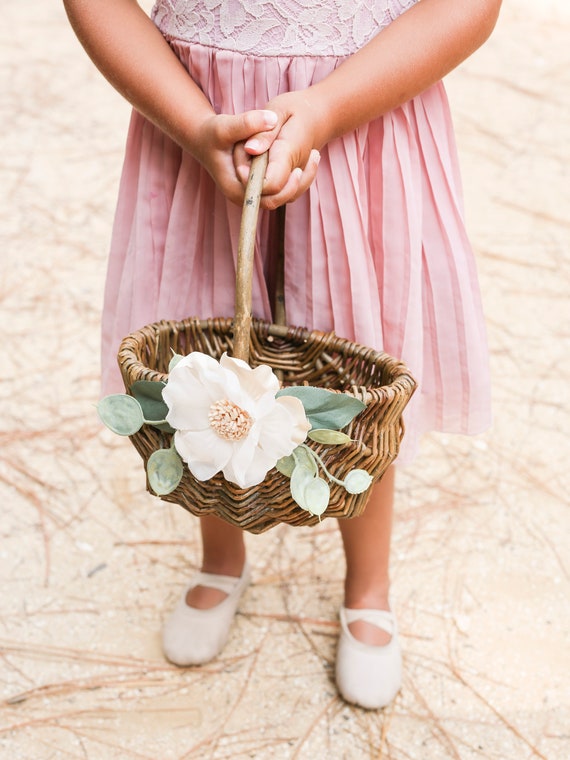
{"x":402,"y":380}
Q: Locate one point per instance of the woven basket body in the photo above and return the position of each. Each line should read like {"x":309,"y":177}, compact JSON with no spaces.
{"x":300,"y":357}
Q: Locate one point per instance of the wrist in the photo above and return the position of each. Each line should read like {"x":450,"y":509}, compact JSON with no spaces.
{"x":189,"y":129}
{"x":324,"y":113}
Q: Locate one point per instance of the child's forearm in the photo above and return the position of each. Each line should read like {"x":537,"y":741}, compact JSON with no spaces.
{"x":414,"y":52}
{"x":131,"y":53}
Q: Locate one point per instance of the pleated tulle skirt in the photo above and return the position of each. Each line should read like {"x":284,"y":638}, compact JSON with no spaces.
{"x":375,"y":250}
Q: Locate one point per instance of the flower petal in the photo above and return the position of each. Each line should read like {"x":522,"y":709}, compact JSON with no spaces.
{"x":264,"y":405}
{"x":193,"y":385}
{"x":197,"y":363}
{"x":284,"y":428}
{"x":204,"y":452}
{"x":206,"y":372}
{"x":242,"y":456}
{"x":258,"y":469}
{"x":249,"y":464}
{"x":187,"y":406}
{"x":254,"y":382}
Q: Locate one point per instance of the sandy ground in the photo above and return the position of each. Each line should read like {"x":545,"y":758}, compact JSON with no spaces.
{"x":90,"y":563}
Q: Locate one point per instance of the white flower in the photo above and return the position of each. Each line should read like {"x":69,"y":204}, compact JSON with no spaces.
{"x":227,"y":418}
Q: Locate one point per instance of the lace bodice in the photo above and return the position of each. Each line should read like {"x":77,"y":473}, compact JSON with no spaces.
{"x":278,"y":27}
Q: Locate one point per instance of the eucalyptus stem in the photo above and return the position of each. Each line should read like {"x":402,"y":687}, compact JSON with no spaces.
{"x":322,"y":464}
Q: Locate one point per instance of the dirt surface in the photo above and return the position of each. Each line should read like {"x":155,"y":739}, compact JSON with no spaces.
{"x":90,"y":563}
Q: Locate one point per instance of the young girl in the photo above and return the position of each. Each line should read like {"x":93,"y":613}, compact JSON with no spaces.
{"x":375,"y":239}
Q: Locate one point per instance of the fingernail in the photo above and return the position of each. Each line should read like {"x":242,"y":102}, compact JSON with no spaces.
{"x":253,"y":145}
{"x":270,"y":118}
{"x":297,"y":172}
{"x":316,"y":156}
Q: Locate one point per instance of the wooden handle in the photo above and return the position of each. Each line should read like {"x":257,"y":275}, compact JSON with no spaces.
{"x":246,"y":248}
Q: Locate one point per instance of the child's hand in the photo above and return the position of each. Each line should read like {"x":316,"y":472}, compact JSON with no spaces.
{"x":216,"y":140}
{"x":293,"y":149}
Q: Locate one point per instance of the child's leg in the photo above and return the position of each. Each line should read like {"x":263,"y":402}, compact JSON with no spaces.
{"x":366,"y":542}
{"x":223,"y":554}
{"x":198,"y":627}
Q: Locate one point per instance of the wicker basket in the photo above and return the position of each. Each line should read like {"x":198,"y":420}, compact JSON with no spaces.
{"x":299,"y":357}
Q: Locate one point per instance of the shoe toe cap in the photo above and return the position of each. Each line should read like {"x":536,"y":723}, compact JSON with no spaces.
{"x":194,"y":637}
{"x":367,"y":676}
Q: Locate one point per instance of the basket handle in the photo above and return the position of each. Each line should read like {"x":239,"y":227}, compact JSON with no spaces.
{"x":246,"y":248}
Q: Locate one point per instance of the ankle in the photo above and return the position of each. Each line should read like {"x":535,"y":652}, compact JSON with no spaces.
{"x":205,"y":597}
{"x":358,"y":595}
{"x":373,"y":597}
{"x":230,"y":563}
{"x":223,"y":547}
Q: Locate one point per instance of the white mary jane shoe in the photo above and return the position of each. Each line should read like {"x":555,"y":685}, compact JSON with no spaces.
{"x":368,"y":676}
{"x":192,"y":636}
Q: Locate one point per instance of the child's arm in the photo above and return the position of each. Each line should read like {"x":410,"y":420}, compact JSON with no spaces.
{"x":414,"y":52}
{"x":132,"y":54}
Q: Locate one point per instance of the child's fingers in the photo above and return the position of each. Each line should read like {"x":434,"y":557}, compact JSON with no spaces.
{"x":260,"y":142}
{"x":292,"y":149}
{"x":242,"y":162}
{"x":232,"y":188}
{"x":231,"y":129}
{"x":297,"y":183}
{"x":310,"y":171}
{"x":282,"y":162}
{"x":223,"y":171}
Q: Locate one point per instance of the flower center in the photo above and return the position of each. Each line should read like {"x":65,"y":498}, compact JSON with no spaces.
{"x":229,"y":420}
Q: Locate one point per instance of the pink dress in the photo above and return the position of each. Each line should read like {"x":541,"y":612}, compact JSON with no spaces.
{"x":376,"y":250}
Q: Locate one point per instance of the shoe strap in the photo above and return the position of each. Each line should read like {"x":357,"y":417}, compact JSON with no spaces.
{"x":383,"y":619}
{"x":224,"y":583}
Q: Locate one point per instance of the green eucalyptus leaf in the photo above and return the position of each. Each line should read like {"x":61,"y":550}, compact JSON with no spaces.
{"x":317,"y":496}
{"x":160,"y":425}
{"x":164,"y":470}
{"x":121,"y":413}
{"x":174,"y":361}
{"x":300,"y":479}
{"x":305,"y":457}
{"x":357,"y":481}
{"x":325,"y":409}
{"x":330,"y":437}
{"x":149,"y":395}
{"x":286,"y":465}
